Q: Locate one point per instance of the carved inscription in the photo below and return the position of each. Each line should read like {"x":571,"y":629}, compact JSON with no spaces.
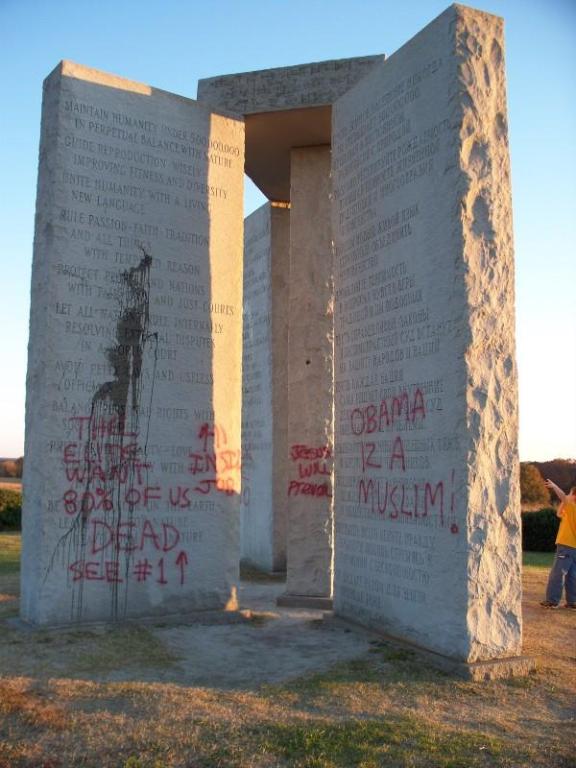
{"x":397,"y":494}
{"x":257,"y":412}
{"x":304,"y":85}
{"x":138,"y":463}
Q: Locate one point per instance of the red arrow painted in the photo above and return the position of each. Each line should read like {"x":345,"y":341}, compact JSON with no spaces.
{"x":182,"y":561}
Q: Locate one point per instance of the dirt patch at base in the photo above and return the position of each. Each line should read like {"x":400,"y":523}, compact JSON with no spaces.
{"x":281,"y":689}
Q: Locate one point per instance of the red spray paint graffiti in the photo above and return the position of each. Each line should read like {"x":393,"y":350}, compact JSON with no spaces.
{"x":217,"y":466}
{"x":394,"y":499}
{"x":103,"y":471}
{"x":108,"y":541}
{"x":313,"y":463}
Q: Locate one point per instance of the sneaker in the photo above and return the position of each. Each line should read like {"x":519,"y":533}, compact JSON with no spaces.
{"x":549,"y":604}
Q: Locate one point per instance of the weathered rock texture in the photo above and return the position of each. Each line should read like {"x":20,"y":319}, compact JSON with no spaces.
{"x":265,"y":387}
{"x":310,"y":377}
{"x":132,"y":472}
{"x":427,"y":500}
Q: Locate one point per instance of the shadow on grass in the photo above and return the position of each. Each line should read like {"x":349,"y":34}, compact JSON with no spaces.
{"x":397,"y":741}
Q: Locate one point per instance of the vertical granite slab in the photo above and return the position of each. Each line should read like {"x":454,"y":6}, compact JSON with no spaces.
{"x":132,"y":469}
{"x":428,"y":544}
{"x":287,"y":108}
{"x":310,"y":377}
{"x":265,"y":387}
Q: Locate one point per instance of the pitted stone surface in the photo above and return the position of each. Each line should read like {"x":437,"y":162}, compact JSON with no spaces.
{"x":426,"y":499}
{"x":132,"y":473}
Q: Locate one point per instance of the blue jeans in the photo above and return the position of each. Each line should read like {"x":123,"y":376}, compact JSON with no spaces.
{"x":563,"y":573}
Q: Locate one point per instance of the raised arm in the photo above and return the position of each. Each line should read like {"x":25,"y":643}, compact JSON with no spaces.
{"x":558,"y":491}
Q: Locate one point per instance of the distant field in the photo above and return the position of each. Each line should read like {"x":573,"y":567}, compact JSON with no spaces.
{"x":13,"y":483}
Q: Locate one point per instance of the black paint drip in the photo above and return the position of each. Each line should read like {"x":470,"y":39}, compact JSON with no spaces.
{"x":119,"y":401}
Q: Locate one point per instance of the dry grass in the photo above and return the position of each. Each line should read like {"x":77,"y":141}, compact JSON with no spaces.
{"x":101,"y":699}
{"x":30,"y":705}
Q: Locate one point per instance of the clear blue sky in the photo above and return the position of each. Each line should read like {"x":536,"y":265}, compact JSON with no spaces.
{"x":173,"y":43}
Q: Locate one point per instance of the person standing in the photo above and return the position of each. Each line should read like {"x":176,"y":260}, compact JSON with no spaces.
{"x":563,"y":573}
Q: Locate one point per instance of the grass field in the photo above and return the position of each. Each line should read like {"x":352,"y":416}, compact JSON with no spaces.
{"x":538,"y":559}
{"x":120,"y":698}
{"x":9,"y":553}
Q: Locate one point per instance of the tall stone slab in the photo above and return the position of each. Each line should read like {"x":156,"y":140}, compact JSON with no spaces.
{"x":310,"y":379}
{"x":288,"y":135}
{"x":265,"y":387}
{"x":427,"y":502}
{"x":132,"y":470}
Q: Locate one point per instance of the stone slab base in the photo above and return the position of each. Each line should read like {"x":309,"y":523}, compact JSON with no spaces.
{"x":478,"y":671}
{"x":305,"y":601}
{"x":173,"y":619}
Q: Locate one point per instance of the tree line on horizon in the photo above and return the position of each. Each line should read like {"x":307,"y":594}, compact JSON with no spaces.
{"x":533,"y":489}
{"x":11,"y":468}
{"x":532,"y":475}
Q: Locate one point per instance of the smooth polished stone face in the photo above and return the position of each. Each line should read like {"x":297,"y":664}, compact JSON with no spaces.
{"x":132,"y":474}
{"x":285,"y":107}
{"x":426,"y":499}
{"x":264,"y":405}
{"x":285,"y":88}
{"x":310,"y":377}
